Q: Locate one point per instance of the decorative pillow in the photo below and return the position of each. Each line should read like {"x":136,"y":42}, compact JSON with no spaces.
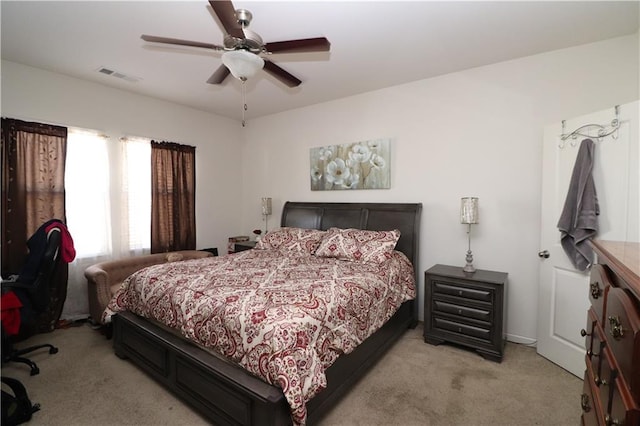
{"x":358,"y":244}
{"x":291,"y":239}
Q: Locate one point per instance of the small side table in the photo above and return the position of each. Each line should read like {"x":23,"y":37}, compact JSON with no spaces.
{"x":467,"y":309}
{"x":244,"y":245}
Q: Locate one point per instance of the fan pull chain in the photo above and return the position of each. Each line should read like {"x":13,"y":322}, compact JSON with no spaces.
{"x":244,"y":100}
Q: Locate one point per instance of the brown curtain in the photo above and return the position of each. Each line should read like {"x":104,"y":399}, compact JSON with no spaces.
{"x":33,"y":164}
{"x":173,"y":197}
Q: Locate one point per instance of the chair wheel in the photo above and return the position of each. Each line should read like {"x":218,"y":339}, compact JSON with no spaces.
{"x":53,"y":351}
{"x":34,"y":371}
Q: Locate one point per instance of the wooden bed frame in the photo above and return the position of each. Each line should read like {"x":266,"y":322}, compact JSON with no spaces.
{"x":227,"y":394}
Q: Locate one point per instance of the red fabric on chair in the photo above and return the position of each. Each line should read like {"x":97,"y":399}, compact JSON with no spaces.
{"x":10,"y":307}
{"x":67,"y":250}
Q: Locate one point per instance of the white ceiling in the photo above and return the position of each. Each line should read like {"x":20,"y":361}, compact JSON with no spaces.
{"x":374,"y":44}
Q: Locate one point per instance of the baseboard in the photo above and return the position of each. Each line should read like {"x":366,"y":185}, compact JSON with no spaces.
{"x":521,"y":340}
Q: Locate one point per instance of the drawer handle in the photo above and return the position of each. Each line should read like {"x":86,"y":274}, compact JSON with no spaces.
{"x":584,"y":401}
{"x":609,"y":421}
{"x":598,"y":381}
{"x":595,"y":289}
{"x":615,"y":328}
{"x":584,"y":333}
{"x":590,"y":354}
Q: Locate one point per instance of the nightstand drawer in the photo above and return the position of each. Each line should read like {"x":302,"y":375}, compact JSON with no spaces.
{"x":464,"y":311}
{"x":464,"y":329}
{"x":452,"y":289}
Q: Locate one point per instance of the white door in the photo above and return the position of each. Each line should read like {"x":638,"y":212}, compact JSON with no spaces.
{"x":563,"y":298}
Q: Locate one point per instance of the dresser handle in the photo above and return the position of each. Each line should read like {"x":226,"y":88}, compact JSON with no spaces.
{"x":595,"y":289}
{"x":609,"y":421}
{"x":584,"y":401}
{"x":584,"y":333}
{"x":598,"y":381}
{"x":615,"y":328}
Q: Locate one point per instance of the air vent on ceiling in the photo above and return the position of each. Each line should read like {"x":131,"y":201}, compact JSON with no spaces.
{"x":117,"y":74}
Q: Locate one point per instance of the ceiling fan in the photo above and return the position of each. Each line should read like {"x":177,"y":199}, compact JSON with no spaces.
{"x":244,"y":49}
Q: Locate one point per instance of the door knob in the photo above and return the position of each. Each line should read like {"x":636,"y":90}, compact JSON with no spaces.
{"x":543,"y":254}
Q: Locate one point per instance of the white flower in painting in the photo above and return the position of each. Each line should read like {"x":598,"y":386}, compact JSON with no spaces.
{"x":377,"y":162}
{"x":373,"y":145}
{"x":360,"y":153}
{"x":316,"y":173}
{"x":325,"y":154}
{"x":352,"y":181}
{"x":337,"y":171}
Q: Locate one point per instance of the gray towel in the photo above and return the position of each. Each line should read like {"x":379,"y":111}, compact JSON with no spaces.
{"x":579,"y":219}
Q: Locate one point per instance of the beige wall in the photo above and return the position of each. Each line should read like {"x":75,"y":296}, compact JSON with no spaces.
{"x":471,"y":133}
{"x":476,"y":132}
{"x":33,"y":94}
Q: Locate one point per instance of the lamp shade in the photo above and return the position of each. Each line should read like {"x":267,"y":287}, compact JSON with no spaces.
{"x":242,"y":64}
{"x":469,"y":210}
{"x":266,"y":206}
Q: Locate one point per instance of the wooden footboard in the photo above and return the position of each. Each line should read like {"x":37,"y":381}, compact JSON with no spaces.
{"x":223,"y":393}
{"x":226,"y":394}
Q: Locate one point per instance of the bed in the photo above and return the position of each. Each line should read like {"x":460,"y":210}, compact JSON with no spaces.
{"x":226,"y":393}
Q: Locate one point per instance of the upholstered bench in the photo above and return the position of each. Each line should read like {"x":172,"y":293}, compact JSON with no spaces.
{"x":105,"y":278}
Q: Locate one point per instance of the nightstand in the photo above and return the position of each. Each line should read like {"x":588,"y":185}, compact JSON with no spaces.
{"x":244,"y":245}
{"x":466,"y":309}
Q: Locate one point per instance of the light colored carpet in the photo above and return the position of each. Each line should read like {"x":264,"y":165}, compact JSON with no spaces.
{"x":414,"y":384}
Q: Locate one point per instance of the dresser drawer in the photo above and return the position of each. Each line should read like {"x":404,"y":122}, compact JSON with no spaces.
{"x":597,"y":360}
{"x":622,"y":330}
{"x":599,"y":285}
{"x":462,"y":329}
{"x":593,"y":340}
{"x":464,"y":311}
{"x":605,"y":377}
{"x":623,"y":409}
{"x":462,"y":290}
{"x":590,"y":402}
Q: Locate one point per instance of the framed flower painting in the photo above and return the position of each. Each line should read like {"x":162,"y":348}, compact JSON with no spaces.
{"x":359,"y":165}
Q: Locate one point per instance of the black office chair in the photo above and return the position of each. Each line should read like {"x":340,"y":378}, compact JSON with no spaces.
{"x":32,"y":288}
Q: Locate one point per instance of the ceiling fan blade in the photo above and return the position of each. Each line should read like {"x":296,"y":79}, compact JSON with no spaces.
{"x":227,"y":14}
{"x":218,"y":77}
{"x":166,"y":40}
{"x":318,"y":44}
{"x":281,"y":74}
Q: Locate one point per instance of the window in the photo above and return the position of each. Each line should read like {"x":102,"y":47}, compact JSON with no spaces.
{"x":136,"y":187}
{"x":88,"y":204}
{"x":108,"y":205}
{"x":108,"y":200}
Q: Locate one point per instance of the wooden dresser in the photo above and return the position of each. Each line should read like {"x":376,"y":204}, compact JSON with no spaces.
{"x":611,"y":390}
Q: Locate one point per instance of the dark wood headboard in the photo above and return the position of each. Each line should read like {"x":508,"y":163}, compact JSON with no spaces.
{"x":371,"y":216}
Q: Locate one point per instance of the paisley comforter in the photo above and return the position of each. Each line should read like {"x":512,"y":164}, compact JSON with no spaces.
{"x":284,"y":318}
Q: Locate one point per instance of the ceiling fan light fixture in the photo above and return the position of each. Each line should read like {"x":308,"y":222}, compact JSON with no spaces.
{"x":242,"y":64}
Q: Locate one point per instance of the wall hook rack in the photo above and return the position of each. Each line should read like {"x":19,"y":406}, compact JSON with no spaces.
{"x":587,"y":130}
